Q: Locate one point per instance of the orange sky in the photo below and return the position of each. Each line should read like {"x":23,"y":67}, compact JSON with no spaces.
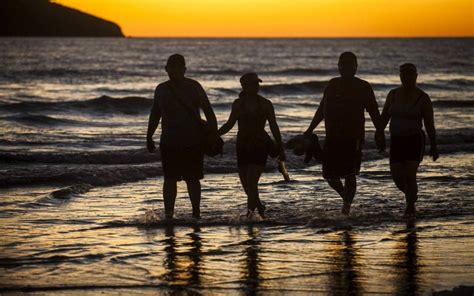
{"x":281,"y":18}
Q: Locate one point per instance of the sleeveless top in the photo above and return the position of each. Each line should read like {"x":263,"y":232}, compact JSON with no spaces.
{"x":251,"y":123}
{"x":406,"y":118}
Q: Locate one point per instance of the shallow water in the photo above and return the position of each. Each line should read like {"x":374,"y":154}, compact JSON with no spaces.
{"x":76,"y":180}
{"x":86,"y":240}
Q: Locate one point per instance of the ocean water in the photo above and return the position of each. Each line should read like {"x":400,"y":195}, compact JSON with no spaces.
{"x":76,"y":181}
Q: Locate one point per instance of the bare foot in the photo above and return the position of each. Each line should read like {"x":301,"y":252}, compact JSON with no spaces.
{"x":346,"y":208}
{"x":261,"y":210}
{"x":410,"y":211}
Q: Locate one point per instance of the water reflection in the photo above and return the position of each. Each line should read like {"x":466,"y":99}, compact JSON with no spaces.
{"x":349,"y":262}
{"x":182,"y":261}
{"x":344,"y":274}
{"x":408,"y":261}
{"x":251,"y":262}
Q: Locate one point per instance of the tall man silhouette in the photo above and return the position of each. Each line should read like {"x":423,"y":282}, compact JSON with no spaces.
{"x":342,"y":108}
{"x":178,"y":102}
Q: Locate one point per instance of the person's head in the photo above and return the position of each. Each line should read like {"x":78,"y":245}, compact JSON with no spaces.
{"x":175,"y":67}
{"x":250,"y":83}
{"x":408,"y":75}
{"x":347,"y":64}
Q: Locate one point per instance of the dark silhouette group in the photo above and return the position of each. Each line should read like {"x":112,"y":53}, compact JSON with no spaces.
{"x":183,"y":143}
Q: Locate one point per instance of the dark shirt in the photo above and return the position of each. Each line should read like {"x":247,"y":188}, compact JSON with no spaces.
{"x":406,"y":117}
{"x":179,"y":128}
{"x":344,"y":106}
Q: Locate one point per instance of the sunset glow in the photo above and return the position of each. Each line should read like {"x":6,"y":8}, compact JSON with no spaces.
{"x":295,"y":18}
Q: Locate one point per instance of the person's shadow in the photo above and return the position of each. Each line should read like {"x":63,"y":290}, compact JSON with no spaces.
{"x":183,"y":268}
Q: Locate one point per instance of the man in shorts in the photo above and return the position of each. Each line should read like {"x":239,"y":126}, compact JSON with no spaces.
{"x":342,"y":108}
{"x":178,"y":102}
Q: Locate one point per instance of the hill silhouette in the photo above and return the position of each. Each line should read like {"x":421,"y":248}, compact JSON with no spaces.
{"x":43,"y":18}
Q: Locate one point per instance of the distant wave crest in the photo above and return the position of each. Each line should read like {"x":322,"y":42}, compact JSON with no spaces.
{"x":126,"y":105}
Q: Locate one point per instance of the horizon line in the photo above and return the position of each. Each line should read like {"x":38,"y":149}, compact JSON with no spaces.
{"x":306,"y":37}
{"x":254,"y":37}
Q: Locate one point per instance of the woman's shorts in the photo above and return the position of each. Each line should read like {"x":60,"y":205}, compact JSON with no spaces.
{"x":407,"y":148}
{"x":251,"y":154}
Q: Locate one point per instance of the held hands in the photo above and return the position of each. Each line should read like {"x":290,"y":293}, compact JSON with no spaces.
{"x":379,"y":138}
{"x":434,"y":152}
{"x":150,"y":145}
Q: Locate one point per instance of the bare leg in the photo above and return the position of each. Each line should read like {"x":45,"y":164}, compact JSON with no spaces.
{"x":337,"y":185}
{"x":253,"y":176}
{"x":243,"y":177}
{"x":350,"y":187}
{"x":169,"y":196}
{"x":194,"y":191}
{"x":411,"y":194}
{"x":398,"y":174}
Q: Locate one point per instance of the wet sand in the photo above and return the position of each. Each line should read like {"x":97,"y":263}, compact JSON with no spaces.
{"x":96,"y":240}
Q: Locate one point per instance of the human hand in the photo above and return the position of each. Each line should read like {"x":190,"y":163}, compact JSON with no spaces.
{"x":308,"y":133}
{"x":150,"y":145}
{"x":379,"y":138}
{"x":282,"y":157}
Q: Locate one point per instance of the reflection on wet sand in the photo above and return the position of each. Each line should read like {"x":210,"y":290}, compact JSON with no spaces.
{"x":407,"y":280}
{"x":182,"y":260}
{"x":251,"y":262}
{"x":341,"y":267}
{"x":344,"y":278}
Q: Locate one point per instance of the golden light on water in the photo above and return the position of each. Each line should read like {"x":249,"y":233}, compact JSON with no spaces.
{"x":296,"y":18}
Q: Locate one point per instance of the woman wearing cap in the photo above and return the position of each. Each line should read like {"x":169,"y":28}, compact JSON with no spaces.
{"x":406,"y":107}
{"x":252,"y":111}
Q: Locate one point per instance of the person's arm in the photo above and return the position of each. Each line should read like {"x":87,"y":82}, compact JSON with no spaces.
{"x":385,"y":117}
{"x":275,"y":129}
{"x":231,"y":121}
{"x":428,"y":119}
{"x":318,"y":117}
{"x":207,"y":108}
{"x":373,"y":109}
{"x":153,"y":121}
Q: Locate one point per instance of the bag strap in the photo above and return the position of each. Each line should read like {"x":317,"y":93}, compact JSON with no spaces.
{"x":418,"y":99}
{"x":182,"y":103}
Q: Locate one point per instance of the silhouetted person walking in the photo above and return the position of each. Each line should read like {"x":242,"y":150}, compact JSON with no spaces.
{"x":252,"y":111}
{"x":406,"y":107}
{"x":177,"y":102}
{"x":342,"y":108}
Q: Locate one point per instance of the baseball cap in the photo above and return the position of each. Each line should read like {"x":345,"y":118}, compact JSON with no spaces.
{"x":250,"y":77}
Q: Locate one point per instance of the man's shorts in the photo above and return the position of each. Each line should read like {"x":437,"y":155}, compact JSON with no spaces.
{"x":182,"y":163}
{"x":341,"y":158}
